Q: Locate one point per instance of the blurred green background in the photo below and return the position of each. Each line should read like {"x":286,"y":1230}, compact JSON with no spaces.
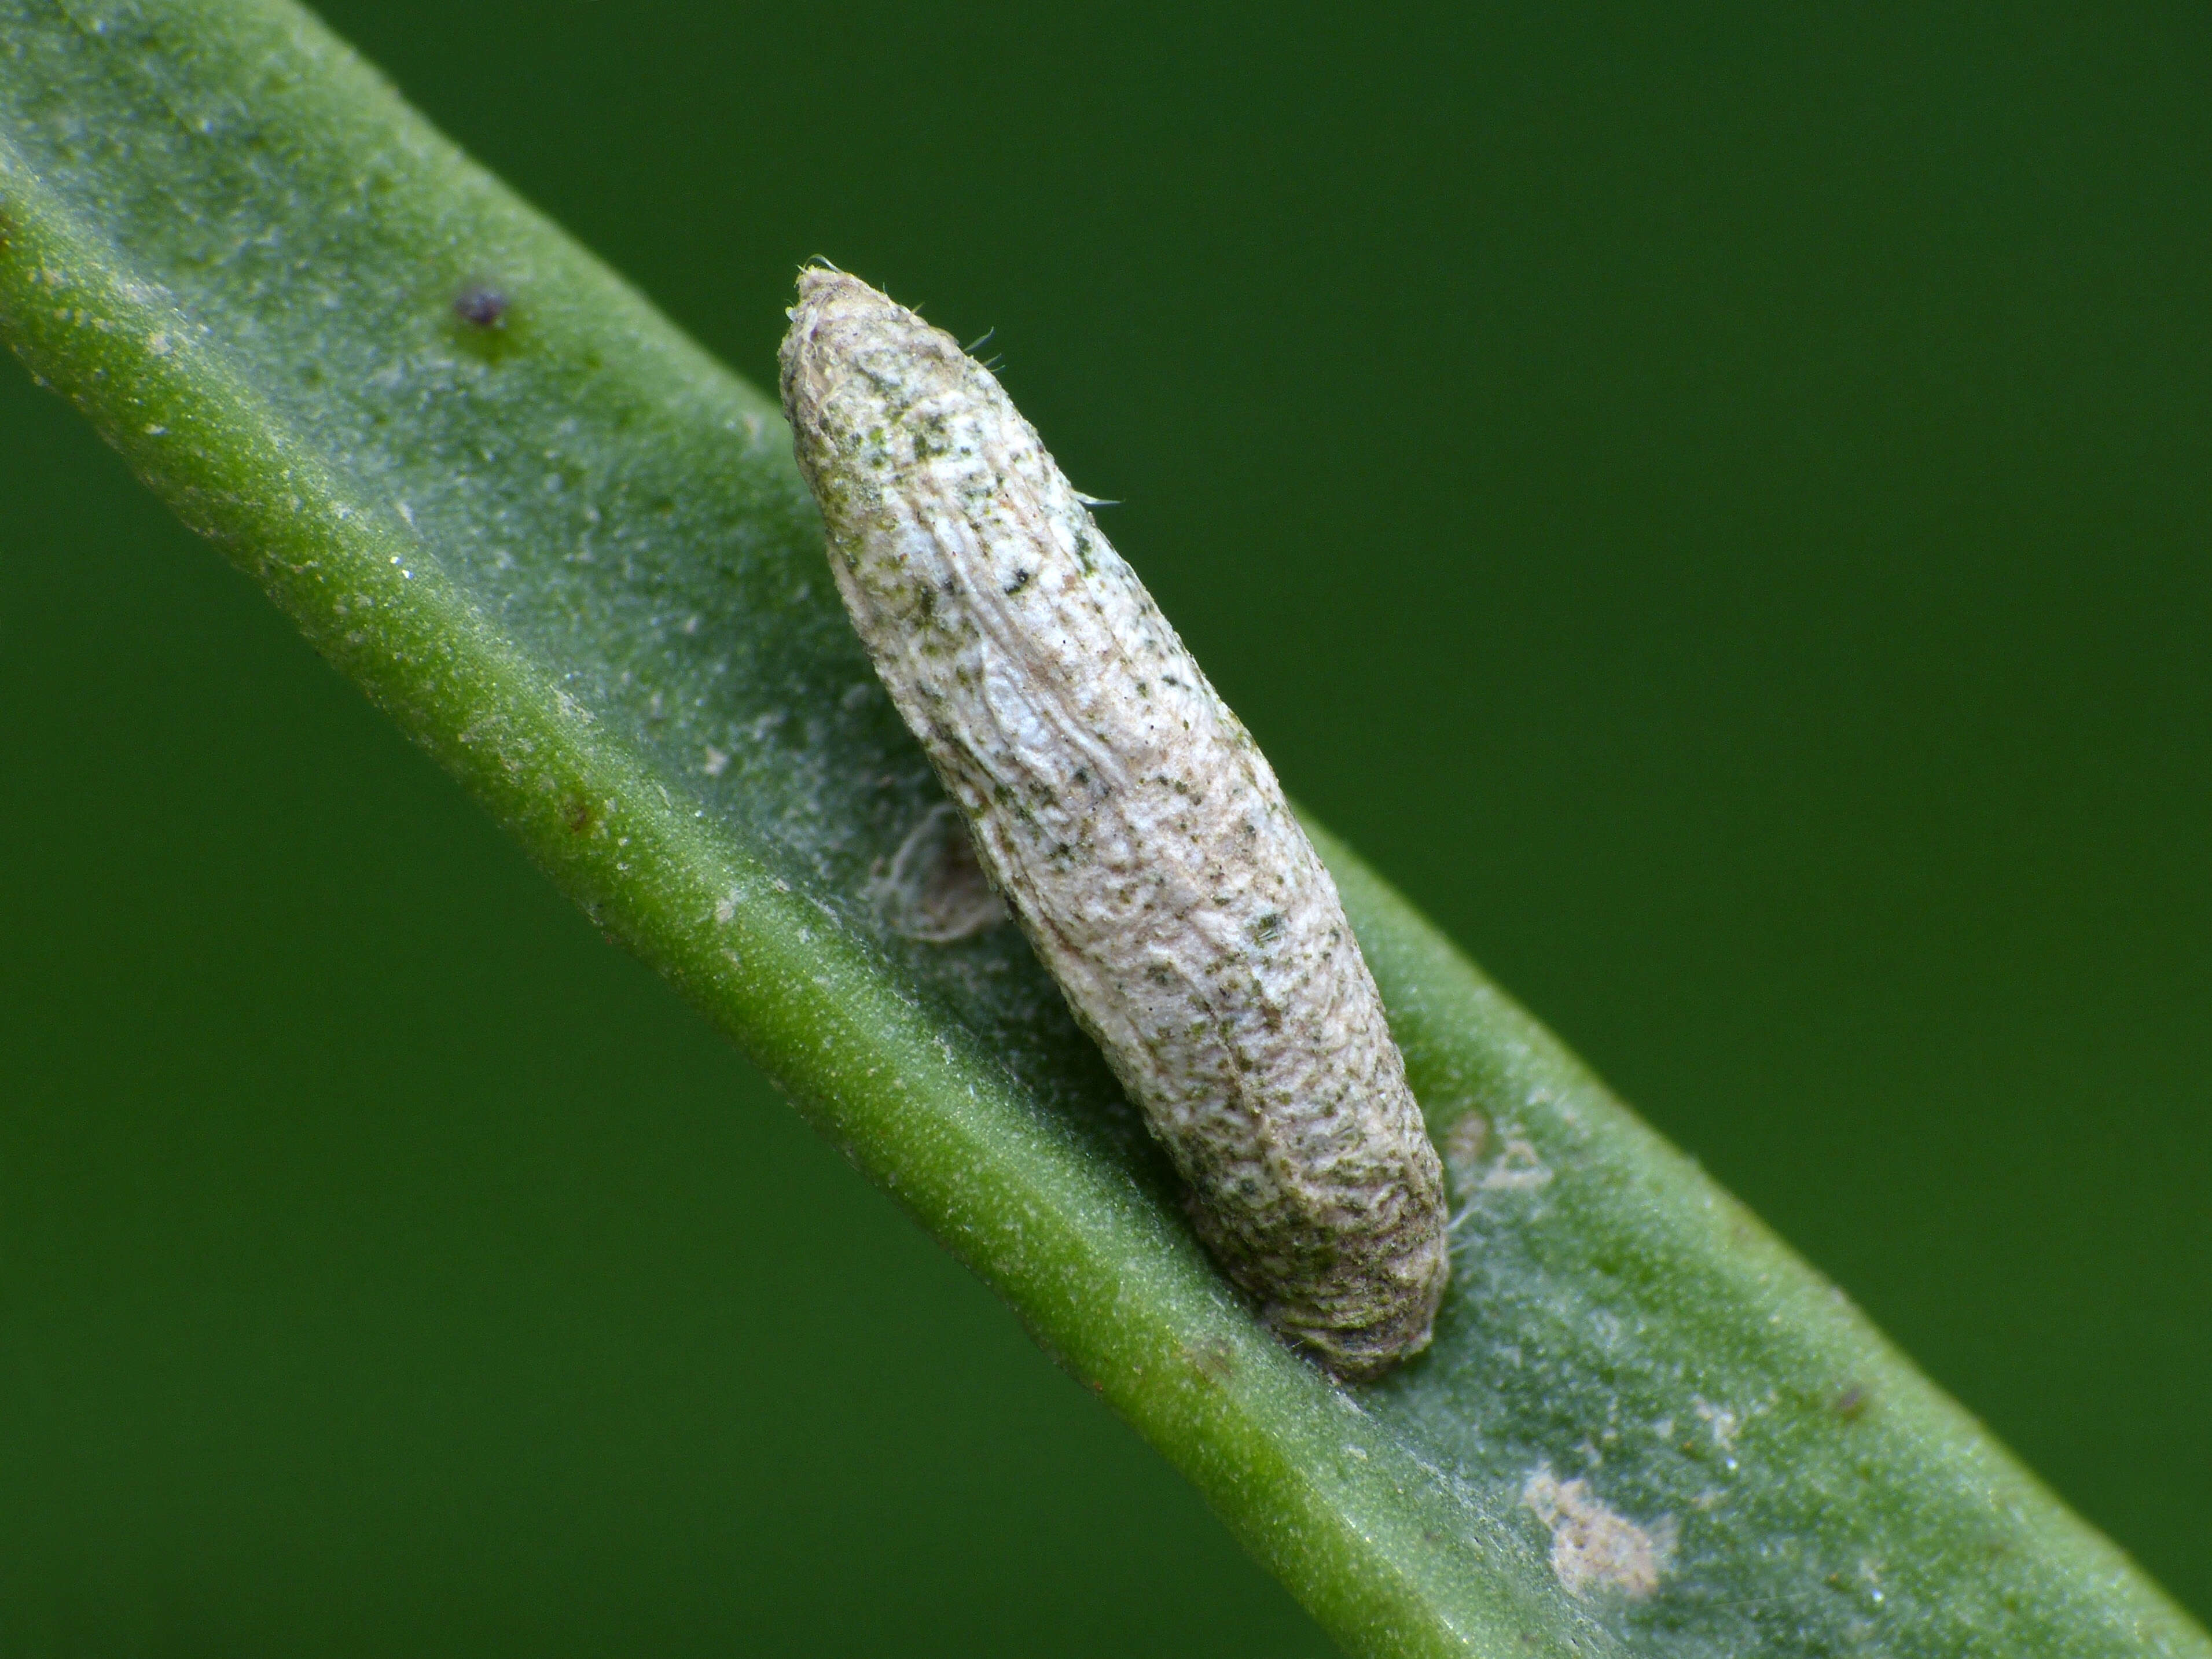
{"x":1713,"y":502}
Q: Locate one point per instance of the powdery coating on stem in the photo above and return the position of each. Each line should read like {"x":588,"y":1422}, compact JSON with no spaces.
{"x":1131,"y":824}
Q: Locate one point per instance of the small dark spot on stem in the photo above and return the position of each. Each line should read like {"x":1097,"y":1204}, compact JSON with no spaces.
{"x":482,"y":306}
{"x":1850,"y":1405}
{"x":579,"y":814}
